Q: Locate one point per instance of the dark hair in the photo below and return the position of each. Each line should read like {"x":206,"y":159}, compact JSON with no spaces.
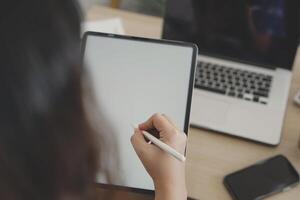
{"x":47,"y":149}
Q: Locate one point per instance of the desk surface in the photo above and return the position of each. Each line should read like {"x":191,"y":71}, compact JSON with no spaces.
{"x":210,"y":155}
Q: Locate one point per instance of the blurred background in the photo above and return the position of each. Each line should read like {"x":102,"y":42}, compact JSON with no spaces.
{"x":150,"y":7}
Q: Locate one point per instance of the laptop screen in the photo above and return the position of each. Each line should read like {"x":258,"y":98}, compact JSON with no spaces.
{"x":261,"y":32}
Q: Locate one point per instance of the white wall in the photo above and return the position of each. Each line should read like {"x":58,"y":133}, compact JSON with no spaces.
{"x":86,"y":4}
{"x":151,"y":7}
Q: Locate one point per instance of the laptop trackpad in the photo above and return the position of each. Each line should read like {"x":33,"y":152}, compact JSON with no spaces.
{"x":210,"y":111}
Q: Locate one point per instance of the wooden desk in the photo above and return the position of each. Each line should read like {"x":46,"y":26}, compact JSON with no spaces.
{"x":210,"y":155}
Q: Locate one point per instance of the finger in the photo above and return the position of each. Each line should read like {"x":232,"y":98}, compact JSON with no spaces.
{"x":138,"y":141}
{"x":157,"y":121}
{"x":169,"y":119}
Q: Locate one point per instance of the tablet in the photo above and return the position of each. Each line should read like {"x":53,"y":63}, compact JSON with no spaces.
{"x":133,"y":78}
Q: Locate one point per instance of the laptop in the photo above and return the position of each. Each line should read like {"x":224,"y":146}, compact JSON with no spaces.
{"x":130,"y":79}
{"x":246,"y":53}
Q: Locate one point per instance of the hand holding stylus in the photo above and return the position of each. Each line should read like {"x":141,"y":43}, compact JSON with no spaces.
{"x":167,"y":173}
{"x":162,"y":146}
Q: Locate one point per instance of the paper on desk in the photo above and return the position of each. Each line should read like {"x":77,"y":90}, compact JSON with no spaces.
{"x":113,"y":25}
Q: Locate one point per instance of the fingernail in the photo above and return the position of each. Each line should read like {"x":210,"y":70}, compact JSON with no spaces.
{"x":134,"y":127}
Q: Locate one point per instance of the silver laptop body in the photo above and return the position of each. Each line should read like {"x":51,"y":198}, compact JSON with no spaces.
{"x":246,"y":53}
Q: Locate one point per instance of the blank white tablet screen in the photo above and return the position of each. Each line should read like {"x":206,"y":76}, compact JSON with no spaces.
{"x":132,"y":80}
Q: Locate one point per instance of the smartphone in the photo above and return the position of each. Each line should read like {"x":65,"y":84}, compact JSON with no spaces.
{"x":262,"y":179}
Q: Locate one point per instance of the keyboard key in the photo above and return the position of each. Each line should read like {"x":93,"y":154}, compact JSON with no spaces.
{"x":261,"y":94}
{"x":249,"y":96}
{"x":232,"y":94}
{"x":263,"y":100}
{"x":268,"y":78}
{"x":265,"y":90}
{"x":216,"y":90}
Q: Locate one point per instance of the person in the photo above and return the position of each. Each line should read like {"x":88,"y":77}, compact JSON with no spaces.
{"x":48,"y":149}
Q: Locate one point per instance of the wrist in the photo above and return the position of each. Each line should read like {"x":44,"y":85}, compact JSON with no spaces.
{"x":171,"y":191}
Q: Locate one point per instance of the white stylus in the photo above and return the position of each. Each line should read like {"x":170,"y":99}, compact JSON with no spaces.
{"x":164,"y":146}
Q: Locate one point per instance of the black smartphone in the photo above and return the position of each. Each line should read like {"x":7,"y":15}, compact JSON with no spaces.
{"x":262,"y":179}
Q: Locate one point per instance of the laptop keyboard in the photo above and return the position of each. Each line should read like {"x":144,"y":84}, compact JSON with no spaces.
{"x":236,"y":83}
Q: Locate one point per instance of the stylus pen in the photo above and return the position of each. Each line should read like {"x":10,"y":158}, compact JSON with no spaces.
{"x":164,"y":146}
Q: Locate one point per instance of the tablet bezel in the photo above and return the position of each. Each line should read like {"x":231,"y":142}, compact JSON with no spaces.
{"x":189,"y":96}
